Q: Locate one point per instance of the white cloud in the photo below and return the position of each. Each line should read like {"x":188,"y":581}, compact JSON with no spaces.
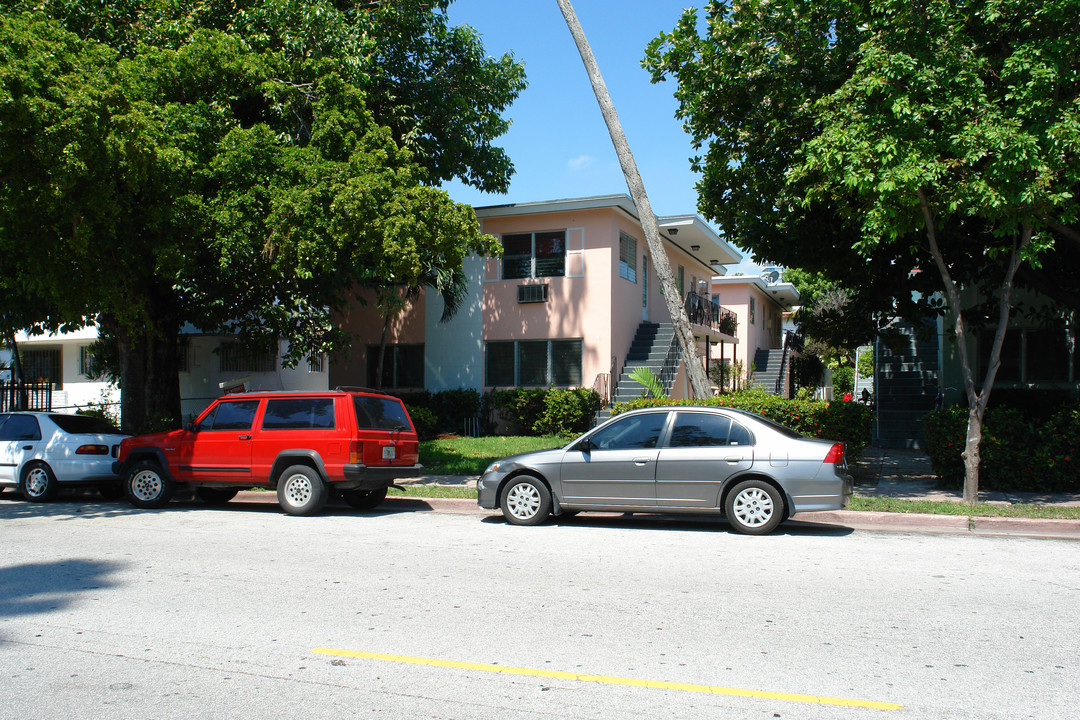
{"x":581,"y":162}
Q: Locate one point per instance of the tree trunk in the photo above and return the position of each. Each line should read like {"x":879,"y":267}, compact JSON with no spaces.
{"x":695,"y":370}
{"x":977,"y":397}
{"x":149,"y":375}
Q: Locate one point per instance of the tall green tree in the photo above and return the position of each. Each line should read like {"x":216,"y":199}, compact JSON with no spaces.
{"x":875,"y":138}
{"x":245,"y":166}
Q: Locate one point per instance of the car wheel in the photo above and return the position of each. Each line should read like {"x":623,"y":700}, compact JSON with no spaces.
{"x":364,"y":499}
{"x":216,"y":496}
{"x":525,"y":501}
{"x":146,"y":485}
{"x":300,"y":491}
{"x":37,"y":482}
{"x":754,"y":507}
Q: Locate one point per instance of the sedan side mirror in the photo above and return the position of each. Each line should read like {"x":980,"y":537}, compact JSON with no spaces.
{"x":584,"y":446}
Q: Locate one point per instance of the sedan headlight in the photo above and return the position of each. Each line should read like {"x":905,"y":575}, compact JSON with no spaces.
{"x":492,"y":468}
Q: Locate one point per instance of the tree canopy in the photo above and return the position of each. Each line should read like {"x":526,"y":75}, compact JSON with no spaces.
{"x":243,"y":166}
{"x":874,"y":139}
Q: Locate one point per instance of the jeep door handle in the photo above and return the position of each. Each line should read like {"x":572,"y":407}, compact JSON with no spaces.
{"x":244,"y":437}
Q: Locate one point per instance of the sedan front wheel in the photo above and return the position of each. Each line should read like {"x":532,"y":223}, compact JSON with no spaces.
{"x":754,"y":507}
{"x":526,"y":501}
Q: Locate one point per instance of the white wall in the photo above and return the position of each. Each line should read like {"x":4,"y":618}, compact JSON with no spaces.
{"x":454,"y":350}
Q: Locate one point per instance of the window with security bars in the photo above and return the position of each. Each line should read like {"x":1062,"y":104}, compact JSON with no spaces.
{"x":627,"y":257}
{"x":533,"y":363}
{"x":1030,"y":355}
{"x":42,"y":364}
{"x":236,"y":358}
{"x":534,"y":255}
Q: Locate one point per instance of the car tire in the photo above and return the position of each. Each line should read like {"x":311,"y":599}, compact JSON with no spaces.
{"x":364,"y":499}
{"x":754,"y":507}
{"x":525,"y":500}
{"x":216,"y":496}
{"x":37,"y":483}
{"x":301,"y":491}
{"x":146,"y":485}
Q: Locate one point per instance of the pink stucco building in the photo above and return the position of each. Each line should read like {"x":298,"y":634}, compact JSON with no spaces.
{"x":563,"y":305}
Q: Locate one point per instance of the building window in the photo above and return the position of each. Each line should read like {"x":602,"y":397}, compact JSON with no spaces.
{"x":627,"y":257}
{"x":752,"y":303}
{"x":316,"y":363}
{"x":86,"y":359}
{"x":236,"y":358}
{"x":403,"y":366}
{"x":1028,"y":355}
{"x":682,"y":272}
{"x":534,"y":255}
{"x":533,"y":363}
{"x":183,"y":350}
{"x":41,"y":364}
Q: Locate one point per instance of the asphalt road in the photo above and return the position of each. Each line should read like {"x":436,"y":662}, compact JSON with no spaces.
{"x":244,"y":612}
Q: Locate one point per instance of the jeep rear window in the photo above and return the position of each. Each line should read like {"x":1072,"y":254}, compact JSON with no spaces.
{"x":380,"y":413}
{"x":236,"y":415}
{"x":299,"y":414}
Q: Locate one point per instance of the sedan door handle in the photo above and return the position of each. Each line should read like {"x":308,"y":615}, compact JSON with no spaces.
{"x":734,"y":459}
{"x":27,"y":447}
{"x":642,"y":461}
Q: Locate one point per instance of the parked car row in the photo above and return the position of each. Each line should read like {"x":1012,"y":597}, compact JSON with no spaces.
{"x":355,"y":443}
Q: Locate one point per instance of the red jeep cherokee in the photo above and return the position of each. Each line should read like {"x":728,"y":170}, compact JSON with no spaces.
{"x":305,"y":444}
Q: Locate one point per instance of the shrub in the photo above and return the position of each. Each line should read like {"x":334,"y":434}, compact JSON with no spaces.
{"x":843,"y":380}
{"x":847,"y":422}
{"x":567,"y":412}
{"x":1017,"y":453}
{"x":554,"y":411}
{"x":449,"y":408}
{"x":424,"y":421}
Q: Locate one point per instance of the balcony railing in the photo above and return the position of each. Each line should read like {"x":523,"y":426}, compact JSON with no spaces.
{"x":703,"y":310}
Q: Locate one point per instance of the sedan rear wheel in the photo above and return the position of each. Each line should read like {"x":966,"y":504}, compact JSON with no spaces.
{"x":754,"y":507}
{"x":526,"y":501}
{"x":37,"y":484}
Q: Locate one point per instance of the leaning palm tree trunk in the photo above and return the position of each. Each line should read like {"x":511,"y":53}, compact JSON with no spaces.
{"x":695,"y":370}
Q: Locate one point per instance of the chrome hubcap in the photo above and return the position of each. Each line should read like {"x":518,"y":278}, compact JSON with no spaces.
{"x":753,"y":507}
{"x":146,"y":486}
{"x":298,"y":489}
{"x":523,"y":501}
{"x":36,"y":482}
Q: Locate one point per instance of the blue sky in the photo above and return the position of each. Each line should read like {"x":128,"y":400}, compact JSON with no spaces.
{"x":558,"y":142}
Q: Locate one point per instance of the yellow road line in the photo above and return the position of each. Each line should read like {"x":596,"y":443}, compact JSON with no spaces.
{"x":610,"y":680}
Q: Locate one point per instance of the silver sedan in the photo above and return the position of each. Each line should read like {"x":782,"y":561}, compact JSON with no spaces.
{"x":675,"y":459}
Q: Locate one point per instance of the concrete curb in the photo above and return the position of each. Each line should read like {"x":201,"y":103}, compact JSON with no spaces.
{"x":853,"y":519}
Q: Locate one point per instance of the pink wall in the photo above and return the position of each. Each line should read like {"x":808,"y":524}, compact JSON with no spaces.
{"x":365,"y":324}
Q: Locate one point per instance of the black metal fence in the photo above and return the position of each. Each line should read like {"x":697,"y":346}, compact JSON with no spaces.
{"x":25,"y":396}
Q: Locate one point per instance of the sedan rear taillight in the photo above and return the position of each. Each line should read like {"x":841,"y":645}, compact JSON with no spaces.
{"x":92,"y":450}
{"x":836,"y":454}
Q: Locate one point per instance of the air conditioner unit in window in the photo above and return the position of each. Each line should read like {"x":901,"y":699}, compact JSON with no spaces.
{"x":532,"y":293}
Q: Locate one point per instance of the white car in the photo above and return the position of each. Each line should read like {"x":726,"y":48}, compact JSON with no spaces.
{"x":40,"y":452}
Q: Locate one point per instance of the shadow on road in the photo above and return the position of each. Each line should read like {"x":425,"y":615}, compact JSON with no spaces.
{"x":681,"y":523}
{"x":34,"y":588}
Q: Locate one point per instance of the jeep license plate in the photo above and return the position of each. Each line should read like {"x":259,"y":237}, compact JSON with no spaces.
{"x":388,"y":452}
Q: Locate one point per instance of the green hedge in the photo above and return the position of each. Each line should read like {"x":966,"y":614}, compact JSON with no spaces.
{"x":552,"y":411}
{"x":1017,"y":453}
{"x":441,"y":412}
{"x":848,"y":422}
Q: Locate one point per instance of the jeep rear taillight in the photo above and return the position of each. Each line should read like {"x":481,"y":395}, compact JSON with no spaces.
{"x":836,"y":454}
{"x":356,"y":452}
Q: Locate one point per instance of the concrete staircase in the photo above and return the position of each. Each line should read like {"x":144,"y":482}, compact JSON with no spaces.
{"x":906,"y":386}
{"x":767,"y":367}
{"x":648,"y":349}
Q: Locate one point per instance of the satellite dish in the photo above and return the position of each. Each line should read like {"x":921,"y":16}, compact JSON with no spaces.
{"x":770,"y":276}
